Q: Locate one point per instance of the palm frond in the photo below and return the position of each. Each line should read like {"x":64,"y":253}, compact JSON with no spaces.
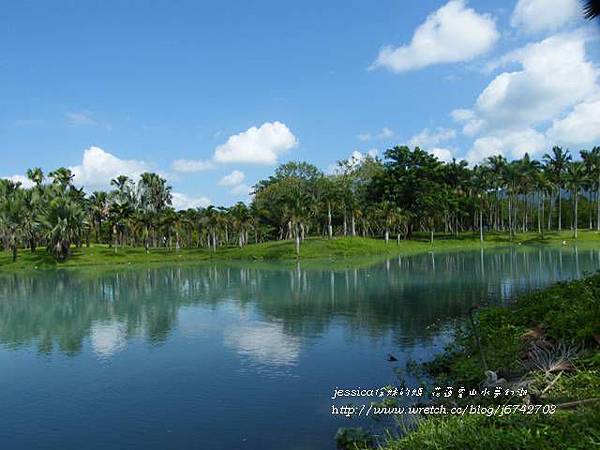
{"x":591,"y":9}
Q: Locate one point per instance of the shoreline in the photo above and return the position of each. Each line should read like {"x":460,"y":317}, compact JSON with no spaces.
{"x":313,"y":251}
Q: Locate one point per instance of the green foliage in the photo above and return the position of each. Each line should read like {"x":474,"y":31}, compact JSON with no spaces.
{"x":353,"y":439}
{"x":564,"y":430}
{"x":566,"y":312}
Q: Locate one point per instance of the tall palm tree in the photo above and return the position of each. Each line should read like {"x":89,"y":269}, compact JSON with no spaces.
{"x":36,"y":176}
{"x":99,"y":210}
{"x":591,"y":160}
{"x":62,"y":177}
{"x":575,"y":178}
{"x":557,"y":163}
{"x":12,"y":218}
{"x":497,"y":167}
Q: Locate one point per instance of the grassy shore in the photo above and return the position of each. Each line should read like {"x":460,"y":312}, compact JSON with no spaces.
{"x":564,"y":322}
{"x":311,"y":249}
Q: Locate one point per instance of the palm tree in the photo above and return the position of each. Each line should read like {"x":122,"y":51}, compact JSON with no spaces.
{"x":99,"y":210}
{"x":497,"y":167}
{"x":591,"y":9}
{"x":557,"y":163}
{"x":62,"y":177}
{"x":12,"y":217}
{"x":575,"y":178}
{"x":62,"y":218}
{"x":591,"y":159}
{"x":154,"y":195}
{"x":36,"y":175}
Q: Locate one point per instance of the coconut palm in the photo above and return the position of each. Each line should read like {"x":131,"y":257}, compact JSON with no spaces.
{"x":575,"y":179}
{"x":557,"y":164}
{"x":591,"y":160}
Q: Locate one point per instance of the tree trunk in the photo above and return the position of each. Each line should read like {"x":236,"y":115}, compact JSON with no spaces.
{"x":598,"y":206}
{"x":481,"y":224}
{"x":559,"y":210}
{"x":297,"y":241}
{"x":575,"y":211}
{"x":329,"y":227}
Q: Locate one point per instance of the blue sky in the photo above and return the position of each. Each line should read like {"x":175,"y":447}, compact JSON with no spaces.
{"x":214,"y":94}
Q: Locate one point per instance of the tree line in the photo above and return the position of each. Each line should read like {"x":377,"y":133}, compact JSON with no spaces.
{"x":407,"y":192}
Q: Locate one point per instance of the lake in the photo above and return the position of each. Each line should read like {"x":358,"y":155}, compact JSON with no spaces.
{"x":233,"y":356}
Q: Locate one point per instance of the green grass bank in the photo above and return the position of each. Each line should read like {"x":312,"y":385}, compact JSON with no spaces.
{"x":311,"y":249}
{"x":550,"y":341}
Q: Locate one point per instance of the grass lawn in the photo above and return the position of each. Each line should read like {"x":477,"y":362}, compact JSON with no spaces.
{"x":311,"y":249}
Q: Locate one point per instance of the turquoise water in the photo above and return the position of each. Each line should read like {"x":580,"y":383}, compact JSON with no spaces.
{"x":232,"y":356}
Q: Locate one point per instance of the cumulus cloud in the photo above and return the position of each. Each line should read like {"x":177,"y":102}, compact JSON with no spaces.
{"x":232,"y":179}
{"x":241,"y":189}
{"x":235,"y":181}
{"x":453,"y":33}
{"x":580,"y":126}
{"x":183,"y":201}
{"x":190,"y":165}
{"x":553,"y":79}
{"x":431,"y":138}
{"x":554,"y":75}
{"x":98,"y":167}
{"x":443,"y":154}
{"x":535,"y":16}
{"x":25,"y":182}
{"x":511,"y":144}
{"x":385,"y":133}
{"x":262,"y":145}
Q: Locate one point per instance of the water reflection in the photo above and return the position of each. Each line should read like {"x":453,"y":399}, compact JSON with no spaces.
{"x":273,"y":309}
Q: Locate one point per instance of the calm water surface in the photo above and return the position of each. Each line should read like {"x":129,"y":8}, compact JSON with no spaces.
{"x":231,"y":357}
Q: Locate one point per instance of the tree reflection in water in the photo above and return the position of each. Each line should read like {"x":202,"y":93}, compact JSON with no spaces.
{"x":409,"y":298}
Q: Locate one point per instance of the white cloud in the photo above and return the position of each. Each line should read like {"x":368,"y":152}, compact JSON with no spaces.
{"x":534,"y":16}
{"x":234,"y":178}
{"x":580,"y":126}
{"x":354,"y":159}
{"x":98,"y":167}
{"x":443,"y":154}
{"x":80,"y":119}
{"x":385,"y":133}
{"x":512,"y":144}
{"x":554,"y":75}
{"x":453,"y":33}
{"x":428,"y":138}
{"x":26,"y":183}
{"x":235,"y":181}
{"x":241,"y":189}
{"x":189,"y":165}
{"x":262,"y":145}
{"x":182,"y":201}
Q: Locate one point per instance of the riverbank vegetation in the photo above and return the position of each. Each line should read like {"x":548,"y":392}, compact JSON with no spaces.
{"x":315,"y":251}
{"x":547,"y":342}
{"x":406,"y":195}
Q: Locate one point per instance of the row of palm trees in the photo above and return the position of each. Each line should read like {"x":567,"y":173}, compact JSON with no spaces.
{"x":408,"y":192}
